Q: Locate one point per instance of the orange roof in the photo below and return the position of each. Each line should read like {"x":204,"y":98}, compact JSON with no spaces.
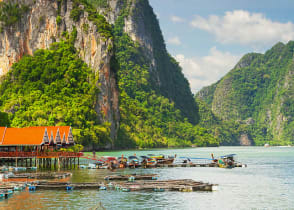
{"x":2,"y":131}
{"x":29,"y":135}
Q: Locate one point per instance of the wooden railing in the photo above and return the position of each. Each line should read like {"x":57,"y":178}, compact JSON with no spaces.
{"x":40,"y":154}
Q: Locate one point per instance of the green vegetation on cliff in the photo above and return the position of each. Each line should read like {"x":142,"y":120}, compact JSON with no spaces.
{"x":167,"y":79}
{"x":258,"y":94}
{"x":54,"y":87}
{"x":4,"y":120}
{"x":81,"y":6}
{"x":11,"y":13}
{"x":226,"y":132}
{"x":148,"y":118}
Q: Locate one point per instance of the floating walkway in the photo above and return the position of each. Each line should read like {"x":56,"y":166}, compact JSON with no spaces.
{"x":197,"y":165}
{"x":174,"y":165}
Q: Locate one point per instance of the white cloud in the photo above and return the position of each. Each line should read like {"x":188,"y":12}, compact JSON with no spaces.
{"x":177,"y":19}
{"x":243,"y":27}
{"x":204,"y":71}
{"x":174,"y":41}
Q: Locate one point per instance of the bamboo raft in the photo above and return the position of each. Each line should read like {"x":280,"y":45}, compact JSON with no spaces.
{"x":43,"y":185}
{"x":45,"y":175}
{"x":131,"y":176}
{"x":182,"y":185}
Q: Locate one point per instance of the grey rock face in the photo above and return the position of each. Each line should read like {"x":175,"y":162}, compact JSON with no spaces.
{"x":38,"y":29}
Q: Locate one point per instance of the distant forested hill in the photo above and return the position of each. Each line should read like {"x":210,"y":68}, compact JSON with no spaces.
{"x":257,"y":96}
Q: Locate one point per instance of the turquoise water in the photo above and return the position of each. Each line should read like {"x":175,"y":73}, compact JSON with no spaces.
{"x":267,"y":183}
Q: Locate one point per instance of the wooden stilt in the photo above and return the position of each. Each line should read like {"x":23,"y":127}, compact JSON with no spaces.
{"x":58,"y":163}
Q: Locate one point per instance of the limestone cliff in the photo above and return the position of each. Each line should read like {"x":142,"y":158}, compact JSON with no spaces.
{"x":38,"y":29}
{"x":36,"y":24}
{"x":143,"y":27}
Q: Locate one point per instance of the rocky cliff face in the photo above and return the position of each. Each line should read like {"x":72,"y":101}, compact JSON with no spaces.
{"x":167,"y":77}
{"x":38,"y":29}
{"x":46,"y":21}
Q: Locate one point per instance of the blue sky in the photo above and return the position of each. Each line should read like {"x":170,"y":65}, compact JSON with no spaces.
{"x":209,"y":37}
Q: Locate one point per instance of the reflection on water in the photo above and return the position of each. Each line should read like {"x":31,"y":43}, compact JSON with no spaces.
{"x":267,"y":183}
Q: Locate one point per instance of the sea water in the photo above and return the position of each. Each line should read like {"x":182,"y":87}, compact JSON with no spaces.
{"x":266,"y":183}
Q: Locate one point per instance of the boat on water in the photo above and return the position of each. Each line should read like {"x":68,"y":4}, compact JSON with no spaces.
{"x":122,"y":162}
{"x":227,"y":161}
{"x":147,"y":162}
{"x":133,"y":161}
{"x":162,"y":159}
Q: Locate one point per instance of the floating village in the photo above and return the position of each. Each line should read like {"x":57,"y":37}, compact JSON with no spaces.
{"x":35,"y":158}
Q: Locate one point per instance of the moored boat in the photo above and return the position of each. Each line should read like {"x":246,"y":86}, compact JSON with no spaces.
{"x":227,"y":161}
{"x":162,"y":159}
{"x":133,"y":162}
{"x":122,"y":162}
{"x":147,"y":162}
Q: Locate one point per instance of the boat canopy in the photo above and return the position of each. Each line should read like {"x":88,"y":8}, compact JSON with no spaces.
{"x":227,"y":156}
{"x":108,"y":158}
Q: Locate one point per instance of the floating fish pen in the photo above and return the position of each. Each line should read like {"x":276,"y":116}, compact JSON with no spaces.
{"x":131,"y":177}
{"x":43,"y":175}
{"x":43,"y":185}
{"x":6,"y":193}
{"x":7,"y":189}
{"x":182,"y":185}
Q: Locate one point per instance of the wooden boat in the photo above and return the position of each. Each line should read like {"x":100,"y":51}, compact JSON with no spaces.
{"x":122,"y":162}
{"x":101,"y":164}
{"x":226,"y":161}
{"x":133,"y":162}
{"x":161,"y":159}
{"x":147,"y":162}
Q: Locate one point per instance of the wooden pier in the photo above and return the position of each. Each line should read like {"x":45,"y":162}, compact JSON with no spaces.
{"x":41,"y":160}
{"x":173,"y":165}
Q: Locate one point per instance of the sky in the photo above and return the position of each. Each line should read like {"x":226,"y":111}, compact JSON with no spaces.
{"x":209,"y":37}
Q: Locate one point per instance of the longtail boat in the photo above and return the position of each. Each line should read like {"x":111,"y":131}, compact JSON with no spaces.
{"x":133,"y":162}
{"x":161,"y":159}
